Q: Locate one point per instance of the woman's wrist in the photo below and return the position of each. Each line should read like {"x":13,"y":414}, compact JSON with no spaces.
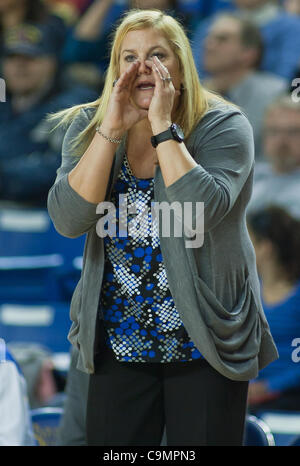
{"x":114,"y":136}
{"x":159,"y":126}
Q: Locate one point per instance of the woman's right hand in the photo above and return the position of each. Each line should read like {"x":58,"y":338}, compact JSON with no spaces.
{"x":121,"y":113}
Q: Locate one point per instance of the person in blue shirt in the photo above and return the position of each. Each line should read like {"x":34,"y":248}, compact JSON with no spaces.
{"x":276,"y":238}
{"x":215,"y":6}
{"x":280,"y":31}
{"x":30,"y":152}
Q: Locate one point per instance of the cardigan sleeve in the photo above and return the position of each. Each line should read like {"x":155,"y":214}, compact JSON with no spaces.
{"x":71,"y":214}
{"x":223,"y":147}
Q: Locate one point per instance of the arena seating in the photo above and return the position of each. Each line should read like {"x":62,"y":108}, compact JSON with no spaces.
{"x":36,"y":263}
{"x":284,"y":425}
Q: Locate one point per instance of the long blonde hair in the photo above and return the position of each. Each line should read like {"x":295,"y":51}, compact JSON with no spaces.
{"x":194,"y":100}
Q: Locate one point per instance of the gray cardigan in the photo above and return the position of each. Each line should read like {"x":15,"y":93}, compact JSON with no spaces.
{"x":215,"y":287}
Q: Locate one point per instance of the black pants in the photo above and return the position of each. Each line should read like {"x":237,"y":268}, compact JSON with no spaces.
{"x":129,"y":403}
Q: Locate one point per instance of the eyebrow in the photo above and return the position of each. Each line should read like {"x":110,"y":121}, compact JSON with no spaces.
{"x":152,"y":48}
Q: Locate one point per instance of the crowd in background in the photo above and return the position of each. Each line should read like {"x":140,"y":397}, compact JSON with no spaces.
{"x":54,"y":54}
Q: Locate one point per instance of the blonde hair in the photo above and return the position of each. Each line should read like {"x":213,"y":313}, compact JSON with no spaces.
{"x":194,"y":100}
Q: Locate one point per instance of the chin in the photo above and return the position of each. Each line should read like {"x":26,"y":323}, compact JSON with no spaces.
{"x":143,"y":107}
{"x":143,"y":102}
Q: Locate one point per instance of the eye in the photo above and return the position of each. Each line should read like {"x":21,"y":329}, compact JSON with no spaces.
{"x":130,"y":58}
{"x":159,"y":55}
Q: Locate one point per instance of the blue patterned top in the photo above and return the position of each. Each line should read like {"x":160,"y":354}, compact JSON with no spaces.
{"x":140,"y":318}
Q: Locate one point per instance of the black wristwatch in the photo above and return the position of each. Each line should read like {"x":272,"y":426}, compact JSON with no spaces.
{"x":173,"y":132}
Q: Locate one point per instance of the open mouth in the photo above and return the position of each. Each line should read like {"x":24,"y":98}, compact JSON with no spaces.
{"x":146,"y":86}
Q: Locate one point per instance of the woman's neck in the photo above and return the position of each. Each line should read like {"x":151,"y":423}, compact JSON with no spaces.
{"x":141,"y":155}
{"x":142,"y":129}
{"x":139,"y":136}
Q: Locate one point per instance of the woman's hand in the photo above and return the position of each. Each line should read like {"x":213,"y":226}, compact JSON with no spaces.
{"x":121,"y":113}
{"x":162,"y":103}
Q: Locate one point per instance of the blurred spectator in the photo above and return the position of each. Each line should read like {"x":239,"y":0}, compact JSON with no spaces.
{"x":66,"y":9}
{"x":30,"y":152}
{"x":45,"y":385}
{"x":15,"y":12}
{"x":280,"y":31}
{"x":276,"y":239}
{"x":15,"y":422}
{"x":277,"y":180}
{"x":90,"y":40}
{"x":79,"y":5}
{"x":292,"y":6}
{"x":215,"y":6}
{"x":232,"y":54}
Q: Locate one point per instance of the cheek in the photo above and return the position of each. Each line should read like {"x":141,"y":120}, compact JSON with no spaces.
{"x":175,"y":74}
{"x":124,"y":67}
{"x":35,"y":73}
{"x":41,"y":72}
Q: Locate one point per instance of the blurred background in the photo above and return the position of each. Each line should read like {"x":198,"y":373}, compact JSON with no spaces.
{"x":53,"y":55}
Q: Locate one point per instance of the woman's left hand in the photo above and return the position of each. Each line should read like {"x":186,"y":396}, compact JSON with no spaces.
{"x":161,"y":107}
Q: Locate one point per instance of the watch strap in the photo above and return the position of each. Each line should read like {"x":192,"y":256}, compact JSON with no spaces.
{"x":161,"y":137}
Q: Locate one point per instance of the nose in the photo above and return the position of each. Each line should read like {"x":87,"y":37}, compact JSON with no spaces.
{"x":144,"y":67}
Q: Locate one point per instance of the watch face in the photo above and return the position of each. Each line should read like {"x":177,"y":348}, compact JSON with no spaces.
{"x":177,"y":132}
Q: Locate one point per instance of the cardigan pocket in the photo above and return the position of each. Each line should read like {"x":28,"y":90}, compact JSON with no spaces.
{"x":236,"y":332}
{"x":75,"y":311}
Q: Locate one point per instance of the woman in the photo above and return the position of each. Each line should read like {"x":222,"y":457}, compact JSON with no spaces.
{"x":180,"y":329}
{"x":276,"y":238}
